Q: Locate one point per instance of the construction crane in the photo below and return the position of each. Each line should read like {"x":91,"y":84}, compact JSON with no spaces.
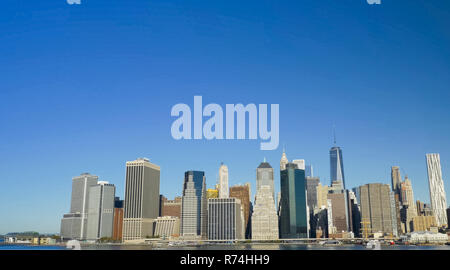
{"x":365,"y":228}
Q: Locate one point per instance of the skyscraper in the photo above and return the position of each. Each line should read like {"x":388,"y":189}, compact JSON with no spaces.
{"x":101,"y":211}
{"x":284,"y":161}
{"x":242,"y":192}
{"x":311,"y":188}
{"x":396,"y":182}
{"x":74,"y":224}
{"x":394,"y":215}
{"x":264,"y":176}
{"x":223,"y":181}
{"x":354,"y":214}
{"x":171,"y":208}
{"x":448,"y":216}
{"x":375,"y":202}
{"x":141,"y":199}
{"x":194,"y":205}
{"x":294,"y":214}
{"x":322,"y":195}
{"x":336,"y":166}
{"x":264,"y":217}
{"x":118,"y":219}
{"x":339,"y":211}
{"x":408,"y":203}
{"x":396,"y":179}
{"x":225,"y":219}
{"x":437,"y":191}
{"x":309,"y":171}
{"x":300,"y":163}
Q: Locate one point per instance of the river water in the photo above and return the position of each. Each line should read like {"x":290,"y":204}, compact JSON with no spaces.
{"x":225,"y":247}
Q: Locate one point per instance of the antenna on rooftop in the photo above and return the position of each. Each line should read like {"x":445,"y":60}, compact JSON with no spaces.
{"x":334,"y":134}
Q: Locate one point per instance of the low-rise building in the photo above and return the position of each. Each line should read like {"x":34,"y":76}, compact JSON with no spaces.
{"x":47,"y":241}
{"x":425,"y":238}
{"x":167,"y":227}
{"x":423,"y":223}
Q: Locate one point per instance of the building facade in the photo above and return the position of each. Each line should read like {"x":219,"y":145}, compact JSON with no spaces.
{"x":300,"y":164}
{"x":242,"y":192}
{"x":118,"y":219}
{"x":167,"y":226}
{"x":309,"y":171}
{"x":171,"y":208}
{"x":283,"y":161}
{"x":194,"y":205}
{"x":223,"y":182}
{"x":264,"y":176}
{"x":264,"y":218}
{"x":396,"y":179}
{"x":437,"y":191}
{"x":336,"y":166}
{"x":74,"y":224}
{"x":225,"y":219}
{"x":101,"y":211}
{"x":339,"y":211}
{"x":423,"y":223}
{"x":212,"y":193}
{"x":408,"y":203}
{"x":293,"y":213}
{"x":375,"y":204}
{"x":141,"y":204}
{"x":311,"y":188}
{"x":322,"y":195}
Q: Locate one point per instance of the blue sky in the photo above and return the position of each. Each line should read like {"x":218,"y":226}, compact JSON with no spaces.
{"x":85,"y":88}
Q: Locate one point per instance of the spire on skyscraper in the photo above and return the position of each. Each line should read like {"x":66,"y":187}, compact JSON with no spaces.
{"x":334,"y":135}
{"x":223,"y":181}
{"x":284,"y":160}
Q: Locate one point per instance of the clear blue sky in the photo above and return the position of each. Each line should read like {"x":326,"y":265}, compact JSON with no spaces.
{"x":85,"y":88}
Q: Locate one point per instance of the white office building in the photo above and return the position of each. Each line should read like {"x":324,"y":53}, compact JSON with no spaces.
{"x":300,"y":163}
{"x":437,"y":191}
{"x":101,"y":211}
{"x":74,"y":224}
{"x":264,"y":217}
{"x":224,"y":191}
{"x":167,"y":227}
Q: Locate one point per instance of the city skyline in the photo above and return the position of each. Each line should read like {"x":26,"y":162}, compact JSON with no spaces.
{"x":88,"y":87}
{"x":213,"y":184}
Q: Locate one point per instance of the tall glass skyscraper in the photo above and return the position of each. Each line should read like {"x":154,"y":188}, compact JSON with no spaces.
{"x":294,"y":215}
{"x":336,"y":166}
{"x":194,"y":205}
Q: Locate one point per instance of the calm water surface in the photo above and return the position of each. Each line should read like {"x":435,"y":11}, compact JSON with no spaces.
{"x":224,"y":247}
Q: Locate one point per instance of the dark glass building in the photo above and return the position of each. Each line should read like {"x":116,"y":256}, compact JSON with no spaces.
{"x":293,"y":212}
{"x":336,"y":166}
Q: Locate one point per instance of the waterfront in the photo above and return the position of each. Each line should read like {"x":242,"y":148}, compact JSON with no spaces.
{"x":226,"y":247}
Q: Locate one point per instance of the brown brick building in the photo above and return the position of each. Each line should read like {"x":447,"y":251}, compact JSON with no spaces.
{"x":171,"y":208}
{"x":242,"y":192}
{"x":118,"y":220}
{"x":339,"y":211}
